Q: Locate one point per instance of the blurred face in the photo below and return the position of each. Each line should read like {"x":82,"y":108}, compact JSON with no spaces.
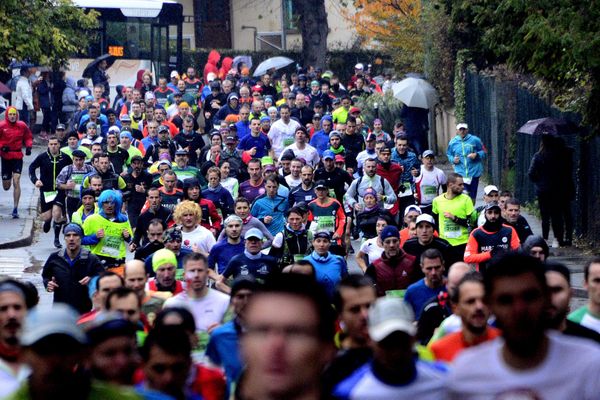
{"x":433,"y":269}
{"x":109,"y":208}
{"x":115,"y":360}
{"x":329,"y":164}
{"x":402,"y":146}
{"x":166,"y":373}
{"x":155,"y":233}
{"x":519,"y":304}
{"x":128,"y":306}
{"x":350,"y":128}
{"x":240,"y":300}
{"x":335,"y":142}
{"x":181,"y":86}
{"x":456,"y":187}
{"x":255,"y":127}
{"x":377,"y":126}
{"x":12,"y":314}
{"x":428,"y":162}
{"x":492,"y":215}
{"x":296,"y":168}
{"x":385,"y":156}
{"x":214,"y":179}
{"x":493,"y":196}
{"x":224,"y":170}
{"x":165,"y":275}
{"x":285,"y":114}
{"x":322,"y":193}
{"x":173,"y":245}
{"x":105,"y":285}
{"x":169,"y":182}
{"x":326,"y":125}
{"x":412,"y":230}
{"x":135,"y":279}
{"x":196,"y":275}
{"x":513,"y":211}
{"x":370,"y":168}
{"x":538,"y":252}
{"x":424,"y":232}
{"x":233,"y":230}
{"x":72,"y":241}
{"x":379,"y":225}
{"x":295,"y":221}
{"x":189,"y":220}
{"x":254,"y":170}
{"x":159,"y":115}
{"x":307,"y":175}
{"x":111,"y":140}
{"x":96,"y":184}
{"x":136,"y":109}
{"x":592,"y":285}
{"x":244,"y":114}
{"x":103,"y":164}
{"x":184,"y":110}
{"x":242,"y":210}
{"x":253,"y":245}
{"x":271,"y":188}
{"x":560,"y":297}
{"x":300,"y":137}
{"x":88,"y":202}
{"x":53,"y":146}
{"x":78,"y":162}
{"x":154,"y":199}
{"x":354,"y":313}
{"x":300,"y":101}
{"x":125,"y":142}
{"x":502,"y":201}
{"x":321,"y":245}
{"x":370,"y":201}
{"x":391,"y":246}
{"x":283,"y":353}
{"x":471,"y":308}
{"x":244,"y":92}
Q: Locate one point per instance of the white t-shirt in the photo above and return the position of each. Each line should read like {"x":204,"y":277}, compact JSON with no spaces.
{"x":309,"y":153}
{"x":207,"y":311}
{"x":571,"y":370}
{"x":430,"y":184}
{"x":430,"y":383}
{"x":201,"y":237}
{"x":282,"y":135}
{"x":371,"y":249}
{"x":293,"y":182}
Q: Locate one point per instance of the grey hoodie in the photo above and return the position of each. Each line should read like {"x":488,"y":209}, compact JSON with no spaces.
{"x":69,"y":96}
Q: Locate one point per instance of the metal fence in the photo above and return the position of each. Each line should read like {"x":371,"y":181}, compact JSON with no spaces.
{"x":495,"y":109}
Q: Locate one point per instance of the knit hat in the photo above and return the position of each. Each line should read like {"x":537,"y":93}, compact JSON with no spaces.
{"x":390,"y":231}
{"x":162,"y":257}
{"x":73,"y":228}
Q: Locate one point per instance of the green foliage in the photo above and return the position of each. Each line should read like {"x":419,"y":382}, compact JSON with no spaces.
{"x":440,"y":53}
{"x":460,"y":101}
{"x":46,"y":32}
{"x":388,"y":108}
{"x":555,"y":40}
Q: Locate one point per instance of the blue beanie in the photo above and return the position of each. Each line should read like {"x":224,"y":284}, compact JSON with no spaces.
{"x":390,"y":231}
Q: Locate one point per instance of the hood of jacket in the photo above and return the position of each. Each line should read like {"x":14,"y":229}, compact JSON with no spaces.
{"x":213,"y":57}
{"x":6,"y":114}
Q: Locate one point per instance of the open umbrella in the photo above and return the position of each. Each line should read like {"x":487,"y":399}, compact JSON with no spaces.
{"x":548,"y":126}
{"x":241,"y":59}
{"x":272,"y":63}
{"x":415,"y":92}
{"x":89,"y":70}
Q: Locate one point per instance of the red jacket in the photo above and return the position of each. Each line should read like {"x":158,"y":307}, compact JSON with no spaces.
{"x":14,"y":136}
{"x":393,"y":274}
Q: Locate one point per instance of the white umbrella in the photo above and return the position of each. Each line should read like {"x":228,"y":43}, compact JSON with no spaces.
{"x":272,"y":63}
{"x":415,"y":92}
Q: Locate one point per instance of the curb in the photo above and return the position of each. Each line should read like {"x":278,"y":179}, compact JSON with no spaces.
{"x":27,"y":238}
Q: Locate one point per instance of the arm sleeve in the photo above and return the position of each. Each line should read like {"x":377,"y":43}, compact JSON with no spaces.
{"x":32,"y":167}
{"x":471,"y":252}
{"x":480,"y":148}
{"x":350,"y":195}
{"x":214,"y":216}
{"x":390,"y":196}
{"x":340,"y":217}
{"x":265,"y":231}
{"x":515,"y":243}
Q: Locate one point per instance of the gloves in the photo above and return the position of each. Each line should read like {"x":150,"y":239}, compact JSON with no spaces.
{"x":28,"y":151}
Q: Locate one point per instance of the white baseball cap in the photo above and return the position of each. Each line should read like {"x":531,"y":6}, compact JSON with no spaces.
{"x":462,"y":126}
{"x":425,"y":218}
{"x":489,"y":189}
{"x":359,"y":66}
{"x":388,"y":315}
{"x":62,"y":320}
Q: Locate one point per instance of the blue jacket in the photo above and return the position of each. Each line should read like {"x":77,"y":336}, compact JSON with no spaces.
{"x":408,"y":161}
{"x":460,"y":147}
{"x":329,"y":270}
{"x":320,"y":141}
{"x":275,"y":207}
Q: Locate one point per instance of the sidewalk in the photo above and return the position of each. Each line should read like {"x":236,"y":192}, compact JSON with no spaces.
{"x":19,"y":232}
{"x":572,"y":257}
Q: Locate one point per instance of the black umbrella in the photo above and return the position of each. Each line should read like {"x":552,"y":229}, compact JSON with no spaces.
{"x":548,"y":126}
{"x":89,"y":70}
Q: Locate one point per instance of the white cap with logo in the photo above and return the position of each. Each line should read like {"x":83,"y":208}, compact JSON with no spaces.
{"x":388,"y":315}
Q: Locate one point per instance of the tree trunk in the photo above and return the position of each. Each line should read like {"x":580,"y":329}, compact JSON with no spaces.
{"x":313,"y":23}
{"x":198,"y":17}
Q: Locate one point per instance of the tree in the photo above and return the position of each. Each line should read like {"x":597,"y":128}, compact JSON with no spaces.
{"x":555,"y":40}
{"x":47,"y":32}
{"x":314,"y":28}
{"x":393,"y":26}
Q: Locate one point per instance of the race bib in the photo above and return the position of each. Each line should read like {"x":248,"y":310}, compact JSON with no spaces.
{"x":332,"y":193}
{"x":326,"y":223}
{"x":451,"y":229}
{"x":395,"y":293}
{"x":288,"y":141}
{"x":50,"y":196}
{"x":298,"y":257}
{"x":112,"y":246}
{"x":467,"y":181}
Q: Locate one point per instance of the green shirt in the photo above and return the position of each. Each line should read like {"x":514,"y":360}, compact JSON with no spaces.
{"x":460,"y":206}
{"x":113,"y":244}
{"x":98,"y":391}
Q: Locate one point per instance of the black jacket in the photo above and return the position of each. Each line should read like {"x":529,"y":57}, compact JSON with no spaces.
{"x":68,"y":275}
{"x":49,"y":167}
